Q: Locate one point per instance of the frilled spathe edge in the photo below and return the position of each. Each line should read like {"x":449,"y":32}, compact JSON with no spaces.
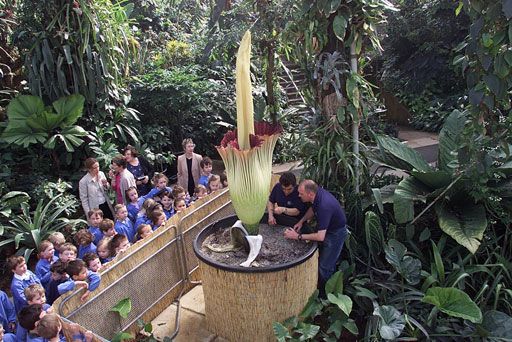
{"x":262,"y":129}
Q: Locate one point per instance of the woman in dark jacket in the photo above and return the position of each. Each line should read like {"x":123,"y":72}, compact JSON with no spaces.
{"x":140,"y":167}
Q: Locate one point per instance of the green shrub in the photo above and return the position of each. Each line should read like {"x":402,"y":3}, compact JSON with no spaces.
{"x":47,"y":190}
{"x":184,"y":102}
{"x":174,"y":53}
{"x":28,"y":228}
{"x":430,"y":108}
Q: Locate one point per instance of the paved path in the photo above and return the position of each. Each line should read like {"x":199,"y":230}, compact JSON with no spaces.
{"x":192,"y":326}
{"x":425,"y":143}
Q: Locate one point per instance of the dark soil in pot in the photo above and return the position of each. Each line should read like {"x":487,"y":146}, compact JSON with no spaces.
{"x":275,"y":249}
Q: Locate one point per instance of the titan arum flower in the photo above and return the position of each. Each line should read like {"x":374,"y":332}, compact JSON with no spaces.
{"x":247,"y":151}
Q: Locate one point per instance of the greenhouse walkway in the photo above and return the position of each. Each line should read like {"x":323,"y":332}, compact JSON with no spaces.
{"x":192,"y":325}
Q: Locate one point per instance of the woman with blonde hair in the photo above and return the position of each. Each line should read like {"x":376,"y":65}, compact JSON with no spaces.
{"x":189,"y":170}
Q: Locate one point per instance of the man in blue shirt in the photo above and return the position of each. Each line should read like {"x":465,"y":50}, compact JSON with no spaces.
{"x":284,"y":205}
{"x":331,"y":227}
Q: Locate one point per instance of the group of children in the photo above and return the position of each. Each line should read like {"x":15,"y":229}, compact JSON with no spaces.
{"x":64,"y":266}
{"x":58,"y":271}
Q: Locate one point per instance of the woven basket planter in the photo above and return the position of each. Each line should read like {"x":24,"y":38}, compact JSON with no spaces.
{"x":242,"y":303}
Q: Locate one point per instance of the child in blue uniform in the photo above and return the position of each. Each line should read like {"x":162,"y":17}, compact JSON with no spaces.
{"x":79,"y":277}
{"x":59,"y":275}
{"x":35,"y":294}
{"x":21,"y":280}
{"x":136,"y":202}
{"x":107,"y":226}
{"x":143,"y":231}
{"x":6,"y":337}
{"x":118,"y":244}
{"x":199,"y":192}
{"x":214,"y":184}
{"x":123,"y":224}
{"x":180,"y":194}
{"x":206,"y":171}
{"x":160,"y":181}
{"x":147,"y":208}
{"x":167,"y":201}
{"x":103,"y":250}
{"x":157,"y":218}
{"x":58,"y":239}
{"x":84,"y":239}
{"x":179,"y":205}
{"x":94,"y":217}
{"x":93,"y":262}
{"x":46,"y":258}
{"x":27,"y":319}
{"x":68,"y":252}
{"x":7,"y":313}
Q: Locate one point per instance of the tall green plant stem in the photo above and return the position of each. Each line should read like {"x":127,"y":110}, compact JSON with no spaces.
{"x":355,"y":119}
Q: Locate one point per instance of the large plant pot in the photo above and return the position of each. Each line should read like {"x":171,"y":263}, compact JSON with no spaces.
{"x":242,"y":303}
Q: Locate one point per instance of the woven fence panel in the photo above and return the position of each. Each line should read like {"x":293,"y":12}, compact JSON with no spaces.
{"x":202,"y":216}
{"x":144,"y":285}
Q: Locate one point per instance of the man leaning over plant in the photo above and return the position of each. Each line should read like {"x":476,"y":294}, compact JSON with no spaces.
{"x":331,"y":227}
{"x":284,"y":205}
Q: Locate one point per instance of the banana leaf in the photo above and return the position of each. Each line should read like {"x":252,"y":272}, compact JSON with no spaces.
{"x":450,"y":139}
{"x":391,"y":147}
{"x":433,"y":179}
{"x":408,"y":191}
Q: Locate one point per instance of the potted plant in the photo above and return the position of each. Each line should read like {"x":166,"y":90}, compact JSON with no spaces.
{"x":241,"y":303}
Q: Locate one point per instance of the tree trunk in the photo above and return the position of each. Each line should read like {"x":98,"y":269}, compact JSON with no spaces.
{"x":355,"y":122}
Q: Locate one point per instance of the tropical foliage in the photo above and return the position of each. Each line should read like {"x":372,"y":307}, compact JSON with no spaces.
{"x":431,"y":259}
{"x":416,"y":62}
{"x":428,"y":257}
{"x":447,"y":189}
{"x":181,"y":103}
{"x":29,"y":228}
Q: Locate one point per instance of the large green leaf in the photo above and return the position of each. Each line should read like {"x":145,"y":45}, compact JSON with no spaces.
{"x":498,"y":325}
{"x":465,"y":223}
{"x":313,"y":307}
{"x":408,"y":191}
{"x":342,"y":301}
{"x":122,"y":336}
{"x":23,"y":107}
{"x":403,"y":152}
{"x":407,"y":266}
{"x":339,"y":26}
{"x":23,"y":136}
{"x":449,"y":139}
{"x":453,"y":302}
{"x":13,"y":198}
{"x":45,"y":121}
{"x":307,"y":331}
{"x":124,"y":307}
{"x":281,"y":332}
{"x":70,"y":108}
{"x":335,"y":283}
{"x":373,"y":233}
{"x":391,"y":322}
{"x":433,"y":179}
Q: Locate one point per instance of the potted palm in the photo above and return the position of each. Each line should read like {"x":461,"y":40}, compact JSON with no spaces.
{"x":241,"y":303}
